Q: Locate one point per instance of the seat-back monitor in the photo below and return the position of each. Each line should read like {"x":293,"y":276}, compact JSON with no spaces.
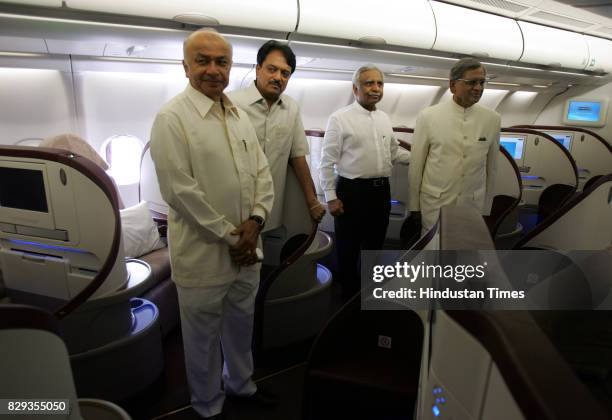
{"x":513,"y":145}
{"x":564,"y":139}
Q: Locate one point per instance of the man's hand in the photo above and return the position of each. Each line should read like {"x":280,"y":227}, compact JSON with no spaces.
{"x":243,"y":251}
{"x":336,"y":208}
{"x":317,"y":211}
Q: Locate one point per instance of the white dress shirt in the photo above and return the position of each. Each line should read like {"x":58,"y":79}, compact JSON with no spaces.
{"x":213,"y":175}
{"x":359,"y":144}
{"x":281,"y":136}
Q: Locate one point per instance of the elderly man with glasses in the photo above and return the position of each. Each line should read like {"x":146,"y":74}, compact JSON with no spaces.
{"x":454,"y":148}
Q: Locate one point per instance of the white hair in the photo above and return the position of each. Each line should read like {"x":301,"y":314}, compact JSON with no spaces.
{"x":364,"y":68}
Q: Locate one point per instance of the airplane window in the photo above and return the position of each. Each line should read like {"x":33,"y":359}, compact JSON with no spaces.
{"x":122,"y":152}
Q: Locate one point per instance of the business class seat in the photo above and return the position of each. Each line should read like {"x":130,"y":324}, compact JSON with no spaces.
{"x":349,"y":374}
{"x":583,"y":223}
{"x":549,"y":173}
{"x":592,"y":153}
{"x":61,"y":249}
{"x":503,"y":220}
{"x":35,"y":364}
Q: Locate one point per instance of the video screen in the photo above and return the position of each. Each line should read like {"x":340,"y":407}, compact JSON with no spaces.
{"x":23,"y":189}
{"x":564,"y":139}
{"x":583,"y":111}
{"x":513,"y":145}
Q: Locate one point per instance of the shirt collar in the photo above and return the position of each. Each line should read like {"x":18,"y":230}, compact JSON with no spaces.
{"x":204,"y":104}
{"x":254,"y":96}
{"x":361,"y":109}
{"x":461,"y":109}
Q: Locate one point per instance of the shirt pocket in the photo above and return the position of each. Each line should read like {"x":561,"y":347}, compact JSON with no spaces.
{"x":278,"y":143}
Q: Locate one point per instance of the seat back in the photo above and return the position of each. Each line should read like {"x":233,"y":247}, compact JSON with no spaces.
{"x":507,"y":193}
{"x":583,"y":223}
{"x":546,"y":162}
{"x":592,"y":153}
{"x":34,"y":362}
{"x":60,"y":232}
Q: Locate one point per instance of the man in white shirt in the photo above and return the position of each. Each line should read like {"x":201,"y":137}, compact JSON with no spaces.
{"x":455,"y":148}
{"x":216,"y":181}
{"x":360,"y":144}
{"x":277,"y":121}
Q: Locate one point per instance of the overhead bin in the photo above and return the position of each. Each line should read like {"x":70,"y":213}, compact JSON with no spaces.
{"x":600,"y":54}
{"x":553,"y":47}
{"x":488,"y":35}
{"x":394,"y":22}
{"x":274,"y":15}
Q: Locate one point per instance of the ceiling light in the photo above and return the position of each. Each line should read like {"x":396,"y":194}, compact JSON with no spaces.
{"x":503,"y":84}
{"x":21,"y":54}
{"x":417,"y":77}
{"x":139,"y":60}
{"x":324,"y":70}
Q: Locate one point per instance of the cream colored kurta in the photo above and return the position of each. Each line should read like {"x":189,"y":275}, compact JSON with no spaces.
{"x":454,"y":155}
{"x":281,"y":135}
{"x":213,"y":175}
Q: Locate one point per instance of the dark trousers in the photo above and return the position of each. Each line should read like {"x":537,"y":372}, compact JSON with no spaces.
{"x":367,"y":204}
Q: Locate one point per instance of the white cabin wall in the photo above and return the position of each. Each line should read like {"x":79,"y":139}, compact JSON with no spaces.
{"x":522,"y":107}
{"x":553,"y":113}
{"x":35,"y":103}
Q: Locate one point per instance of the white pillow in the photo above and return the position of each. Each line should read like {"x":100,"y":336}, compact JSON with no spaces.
{"x":139,"y":232}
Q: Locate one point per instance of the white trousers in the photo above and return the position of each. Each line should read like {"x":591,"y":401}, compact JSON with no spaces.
{"x":216,"y":319}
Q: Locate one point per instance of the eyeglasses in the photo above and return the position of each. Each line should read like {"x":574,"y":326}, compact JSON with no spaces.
{"x":473,"y":82}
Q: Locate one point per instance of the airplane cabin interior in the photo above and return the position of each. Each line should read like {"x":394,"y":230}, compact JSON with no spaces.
{"x":89,"y":314}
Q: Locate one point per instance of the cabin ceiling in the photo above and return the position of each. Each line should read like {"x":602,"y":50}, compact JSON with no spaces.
{"x":92,"y":36}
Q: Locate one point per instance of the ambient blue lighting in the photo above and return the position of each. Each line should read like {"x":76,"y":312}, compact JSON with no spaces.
{"x":436,"y":410}
{"x":45,"y":246}
{"x":529,"y":176}
{"x":395,"y":202}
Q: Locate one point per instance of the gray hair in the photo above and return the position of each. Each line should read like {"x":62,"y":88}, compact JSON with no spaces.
{"x":364,"y":68}
{"x":209,"y":31}
{"x":463,"y":65}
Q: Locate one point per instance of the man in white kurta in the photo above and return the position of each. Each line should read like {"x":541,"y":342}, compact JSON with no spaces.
{"x":277,"y":121}
{"x":216,"y":181}
{"x":454,"y":149}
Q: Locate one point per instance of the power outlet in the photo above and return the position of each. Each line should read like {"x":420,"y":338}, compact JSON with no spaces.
{"x":384,"y":341}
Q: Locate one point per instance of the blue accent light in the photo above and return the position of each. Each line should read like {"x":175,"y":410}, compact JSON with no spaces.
{"x":45,"y":246}
{"x":395,"y":202}
{"x":530,"y":176}
{"x":442,"y":400}
{"x":436,"y":410}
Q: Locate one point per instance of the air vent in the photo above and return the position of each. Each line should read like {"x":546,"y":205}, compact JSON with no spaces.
{"x":551,"y":17}
{"x":503,"y":4}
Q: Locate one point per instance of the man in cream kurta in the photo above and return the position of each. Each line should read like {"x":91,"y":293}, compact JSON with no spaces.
{"x":277,"y":121}
{"x":216,"y":181}
{"x":455,"y":148}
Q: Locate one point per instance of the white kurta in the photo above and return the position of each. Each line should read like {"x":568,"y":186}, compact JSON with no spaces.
{"x":213,"y":175}
{"x":454,"y":156}
{"x":281,"y":136}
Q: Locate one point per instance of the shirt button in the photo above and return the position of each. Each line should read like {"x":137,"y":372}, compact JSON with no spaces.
{"x":464,"y":137}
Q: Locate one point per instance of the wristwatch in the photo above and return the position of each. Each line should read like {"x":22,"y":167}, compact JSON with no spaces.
{"x":259,"y":220}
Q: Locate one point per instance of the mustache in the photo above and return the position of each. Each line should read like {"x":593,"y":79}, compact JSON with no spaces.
{"x":211,"y":78}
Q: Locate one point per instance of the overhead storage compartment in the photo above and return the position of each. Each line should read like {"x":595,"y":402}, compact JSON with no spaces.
{"x":273,"y":15}
{"x":553,"y":47}
{"x":475,"y":33}
{"x":600,"y":54}
{"x":394,"y":22}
